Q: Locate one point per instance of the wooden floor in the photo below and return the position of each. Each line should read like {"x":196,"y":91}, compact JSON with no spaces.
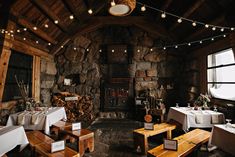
{"x":113,"y":138}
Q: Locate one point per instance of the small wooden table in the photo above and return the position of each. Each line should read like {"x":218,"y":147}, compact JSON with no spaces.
{"x":60,"y":125}
{"x":141,"y":135}
{"x":186,"y":144}
{"x":85,"y":139}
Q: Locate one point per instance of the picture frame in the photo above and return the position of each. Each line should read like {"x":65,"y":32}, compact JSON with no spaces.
{"x":170,"y":144}
{"x":57,"y":146}
{"x":148,"y":126}
{"x":76,"y":126}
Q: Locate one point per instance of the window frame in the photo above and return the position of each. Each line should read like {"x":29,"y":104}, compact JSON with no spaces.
{"x":216,"y":67}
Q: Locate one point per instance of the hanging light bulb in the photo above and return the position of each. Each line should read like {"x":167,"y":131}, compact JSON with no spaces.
{"x":222,"y":29}
{"x":90,"y":11}
{"x":46,"y":26}
{"x":212,"y":39}
{"x":71,"y":17}
{"x":194,"y":24}
{"x":113,"y":3}
{"x":163,"y":15}
{"x":232,"y":29}
{"x":189,"y":44}
{"x":179,"y":20}
{"x":35,"y":28}
{"x":18,"y":31}
{"x":37,"y":42}
{"x":62,"y":46}
{"x":176,"y":46}
{"x":143,"y":8}
{"x":100,"y":50}
{"x":74,"y":48}
{"x":25,"y":29}
{"x":164,"y":48}
{"x":49,"y":44}
{"x":224,"y":35}
{"x":200,"y":42}
{"x":206,"y":25}
{"x":213,"y":28}
{"x":56,"y":21}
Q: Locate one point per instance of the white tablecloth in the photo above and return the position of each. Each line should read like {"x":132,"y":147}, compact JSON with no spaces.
{"x":10,"y":137}
{"x":224,"y":138}
{"x":195,"y":118}
{"x":41,"y":121}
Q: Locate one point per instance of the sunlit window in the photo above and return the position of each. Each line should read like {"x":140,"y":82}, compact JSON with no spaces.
{"x":221,"y":75}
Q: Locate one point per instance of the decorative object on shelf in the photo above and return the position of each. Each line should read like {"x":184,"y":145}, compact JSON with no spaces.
{"x":202,"y":100}
{"x":122,"y":7}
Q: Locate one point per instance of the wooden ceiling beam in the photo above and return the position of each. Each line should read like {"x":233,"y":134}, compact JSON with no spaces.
{"x":39,"y":32}
{"x":189,"y":12}
{"x":99,"y":21}
{"x":196,"y":34}
{"x":43,"y":7}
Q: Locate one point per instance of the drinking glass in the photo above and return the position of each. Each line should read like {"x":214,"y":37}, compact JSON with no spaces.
{"x":189,"y":105}
{"x":228,"y":124}
{"x":177,"y":105}
{"x":215,"y":108}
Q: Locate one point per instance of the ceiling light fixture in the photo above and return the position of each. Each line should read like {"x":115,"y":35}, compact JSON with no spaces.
{"x":122,"y":7}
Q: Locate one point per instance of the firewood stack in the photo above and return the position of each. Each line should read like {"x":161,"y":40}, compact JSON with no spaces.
{"x":76,"y":110}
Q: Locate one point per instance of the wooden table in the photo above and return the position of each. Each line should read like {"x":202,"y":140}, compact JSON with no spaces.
{"x":186,"y":144}
{"x":141,"y":135}
{"x":85,"y":139}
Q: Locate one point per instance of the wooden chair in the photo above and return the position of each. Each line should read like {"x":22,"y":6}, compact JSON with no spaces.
{"x":141,"y":135}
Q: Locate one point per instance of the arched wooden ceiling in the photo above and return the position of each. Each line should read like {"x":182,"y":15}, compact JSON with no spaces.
{"x":38,"y":13}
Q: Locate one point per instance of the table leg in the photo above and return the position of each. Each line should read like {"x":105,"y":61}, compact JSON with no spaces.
{"x":140,"y":141}
{"x":169,"y":136}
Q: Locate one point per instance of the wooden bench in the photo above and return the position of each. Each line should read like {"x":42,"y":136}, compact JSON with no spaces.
{"x":60,"y":125}
{"x":85,"y":139}
{"x":44,"y":149}
{"x":35,"y":138}
{"x":141,"y":135}
{"x":186,"y":144}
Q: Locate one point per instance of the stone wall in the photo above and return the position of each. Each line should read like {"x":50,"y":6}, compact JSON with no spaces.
{"x":150,"y":67}
{"x":48,"y":72}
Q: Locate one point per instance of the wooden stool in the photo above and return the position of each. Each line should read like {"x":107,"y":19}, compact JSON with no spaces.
{"x":186,"y":144}
{"x":85,"y":139}
{"x":44,"y":149}
{"x":141,"y":135}
{"x":35,"y":138}
{"x":60,"y":125}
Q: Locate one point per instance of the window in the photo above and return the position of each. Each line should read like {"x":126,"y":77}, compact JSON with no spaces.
{"x":20,"y":65}
{"x":221,"y":74}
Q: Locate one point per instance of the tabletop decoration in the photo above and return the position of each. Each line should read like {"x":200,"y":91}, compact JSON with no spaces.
{"x":202,"y":101}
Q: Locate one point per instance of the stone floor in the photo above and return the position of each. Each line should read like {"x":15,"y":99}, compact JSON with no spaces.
{"x":113,"y":138}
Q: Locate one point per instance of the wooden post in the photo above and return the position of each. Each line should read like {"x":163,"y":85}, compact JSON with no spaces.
{"x":36,"y":78}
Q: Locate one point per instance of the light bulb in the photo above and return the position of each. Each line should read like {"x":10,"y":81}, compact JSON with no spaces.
{"x":46,"y":26}
{"x":224,"y":35}
{"x":163,"y":15}
{"x":113,"y":3}
{"x":37,"y":42}
{"x":206,"y":25}
{"x":56,"y":21}
{"x":90,"y":11}
{"x":71,"y":17}
{"x":62,"y":46}
{"x":222,"y":29}
{"x":232,"y":29}
{"x":212,"y":39}
{"x":164,"y":48}
{"x":24,"y":38}
{"x":194,"y":24}
{"x":49,"y":44}
{"x":176,"y":46}
{"x":200,"y":42}
{"x":213,"y":28}
{"x":189,"y":44}
{"x":25,"y":29}
{"x":35,"y":28}
{"x":18,"y":31}
{"x":179,"y":20}
{"x":143,"y":8}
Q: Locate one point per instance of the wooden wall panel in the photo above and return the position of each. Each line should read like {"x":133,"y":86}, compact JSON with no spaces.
{"x":36,"y":78}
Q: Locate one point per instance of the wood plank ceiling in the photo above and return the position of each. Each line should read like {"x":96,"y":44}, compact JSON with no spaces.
{"x":49,"y":25}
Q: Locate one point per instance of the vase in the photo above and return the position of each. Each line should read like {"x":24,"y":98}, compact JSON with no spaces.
{"x":205,"y":104}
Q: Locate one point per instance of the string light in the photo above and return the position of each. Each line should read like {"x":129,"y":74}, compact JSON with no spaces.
{"x":194,"y":23}
{"x":179,"y":20}
{"x":143,"y":8}
{"x":46,"y":26}
{"x":49,"y":44}
{"x":35,"y":28}
{"x":24,"y":39}
{"x":56,"y":21}
{"x":163,"y":15}
{"x":113,"y":3}
{"x":213,"y":28}
{"x":71,"y":17}
{"x":90,"y":11}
